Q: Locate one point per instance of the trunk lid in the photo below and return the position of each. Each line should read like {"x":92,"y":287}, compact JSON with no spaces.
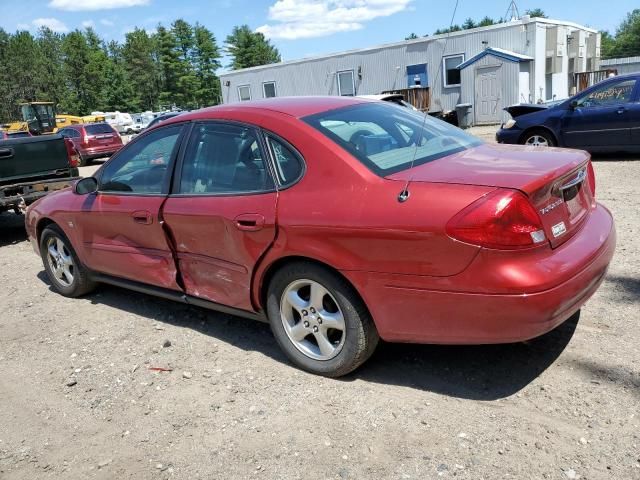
{"x":524,"y":108}
{"x":555,"y":180}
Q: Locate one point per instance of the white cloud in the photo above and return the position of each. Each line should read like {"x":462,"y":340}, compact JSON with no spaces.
{"x":316,"y":18}
{"x":88,"y":24}
{"x":78,"y":5}
{"x":107,"y":23}
{"x":52,"y":23}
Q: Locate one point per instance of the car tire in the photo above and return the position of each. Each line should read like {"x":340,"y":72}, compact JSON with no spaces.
{"x":308,"y":340}
{"x":83,"y":161}
{"x":538,"y":138}
{"x":65,"y":271}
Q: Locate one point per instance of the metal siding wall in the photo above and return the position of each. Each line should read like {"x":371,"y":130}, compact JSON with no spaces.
{"x":624,"y":65}
{"x":384,"y":68}
{"x":380,"y":67}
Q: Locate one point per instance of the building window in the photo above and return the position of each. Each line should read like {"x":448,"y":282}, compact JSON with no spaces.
{"x":417,"y":76}
{"x":244,"y":92}
{"x":269,"y":89}
{"x":451,"y":71}
{"x":346,"y":84}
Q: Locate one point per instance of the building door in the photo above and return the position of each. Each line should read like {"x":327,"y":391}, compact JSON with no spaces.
{"x":488,"y":105}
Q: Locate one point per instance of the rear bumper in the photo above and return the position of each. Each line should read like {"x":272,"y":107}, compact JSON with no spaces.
{"x":14,"y":195}
{"x":531,"y":295}
{"x":97,"y":152}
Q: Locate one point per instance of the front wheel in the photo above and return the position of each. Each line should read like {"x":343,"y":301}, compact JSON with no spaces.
{"x":319,"y":320}
{"x":67,"y":275}
{"x":538,"y":138}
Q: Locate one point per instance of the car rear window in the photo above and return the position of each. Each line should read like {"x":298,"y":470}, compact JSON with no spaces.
{"x":98,"y":128}
{"x":388,"y":139}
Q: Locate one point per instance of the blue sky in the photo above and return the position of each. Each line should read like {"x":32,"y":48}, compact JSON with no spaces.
{"x":297,"y":27}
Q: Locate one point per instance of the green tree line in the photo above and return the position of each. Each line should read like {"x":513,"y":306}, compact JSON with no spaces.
{"x":626,"y":40}
{"x":470,"y":23}
{"x":81,"y":72}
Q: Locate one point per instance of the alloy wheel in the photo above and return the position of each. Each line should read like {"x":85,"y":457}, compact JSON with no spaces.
{"x":537,"y":141}
{"x":312,"y":319}
{"x":60,"y":261}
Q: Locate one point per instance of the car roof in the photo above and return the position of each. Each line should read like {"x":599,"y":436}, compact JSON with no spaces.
{"x":80,"y":125}
{"x":384,"y":96}
{"x":294,"y":106}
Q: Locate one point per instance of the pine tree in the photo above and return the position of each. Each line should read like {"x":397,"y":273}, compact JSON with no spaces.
{"x":119,"y":94}
{"x":95,"y":71}
{"x":468,"y":24}
{"x":53,"y":86}
{"x":250,"y":49}
{"x":168,"y":65}
{"x":206,"y":60}
{"x":138,"y":53}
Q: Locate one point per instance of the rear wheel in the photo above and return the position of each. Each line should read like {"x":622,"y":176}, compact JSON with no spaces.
{"x":319,"y":321}
{"x":84,"y":161}
{"x":67,"y":275}
{"x":538,"y":138}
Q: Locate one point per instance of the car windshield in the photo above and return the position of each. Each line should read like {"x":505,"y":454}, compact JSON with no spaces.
{"x":98,"y":128}
{"x":387,"y":139}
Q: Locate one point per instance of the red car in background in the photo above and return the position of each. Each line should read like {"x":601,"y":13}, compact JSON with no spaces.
{"x":93,"y":140}
{"x":340,"y":221}
{"x":8,"y":135}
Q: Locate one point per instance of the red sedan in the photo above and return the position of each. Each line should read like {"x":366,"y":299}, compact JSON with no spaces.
{"x":340,"y":221}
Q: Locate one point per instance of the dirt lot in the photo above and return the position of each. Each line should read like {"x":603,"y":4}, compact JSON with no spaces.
{"x":78,"y":398}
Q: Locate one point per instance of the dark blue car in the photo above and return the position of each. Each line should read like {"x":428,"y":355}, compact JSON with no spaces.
{"x":604,"y":117}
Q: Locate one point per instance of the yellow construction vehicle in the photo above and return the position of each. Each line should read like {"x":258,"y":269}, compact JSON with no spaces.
{"x":37,"y":118}
{"x":63,"y":120}
{"x":41,"y":117}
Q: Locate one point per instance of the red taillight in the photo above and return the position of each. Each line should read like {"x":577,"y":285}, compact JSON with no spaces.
{"x":72,"y":154}
{"x":85,"y":138}
{"x":503,"y":219}
{"x":592,"y":179}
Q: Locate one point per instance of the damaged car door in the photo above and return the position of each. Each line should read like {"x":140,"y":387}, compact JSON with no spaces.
{"x":222,"y":211}
{"x":121,"y":225}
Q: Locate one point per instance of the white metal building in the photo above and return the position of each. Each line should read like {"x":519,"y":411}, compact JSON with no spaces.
{"x":522,"y":61}
{"x":622,"y":65}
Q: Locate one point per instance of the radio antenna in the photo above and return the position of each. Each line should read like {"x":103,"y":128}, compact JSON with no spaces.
{"x":403,"y":196}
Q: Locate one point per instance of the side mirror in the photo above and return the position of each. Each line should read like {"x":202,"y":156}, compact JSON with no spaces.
{"x":573,"y":105}
{"x":85,"y":186}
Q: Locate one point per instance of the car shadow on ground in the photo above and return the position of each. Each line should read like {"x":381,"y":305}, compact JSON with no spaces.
{"x":627,"y":288}
{"x":11,"y":229}
{"x":486,"y":372}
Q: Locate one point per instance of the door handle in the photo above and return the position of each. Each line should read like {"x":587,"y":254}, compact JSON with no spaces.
{"x":142,"y":217}
{"x":6,"y":152}
{"x":250,"y":222}
{"x":621,"y":109}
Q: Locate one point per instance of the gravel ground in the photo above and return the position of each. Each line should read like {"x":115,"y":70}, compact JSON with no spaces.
{"x":79,"y":397}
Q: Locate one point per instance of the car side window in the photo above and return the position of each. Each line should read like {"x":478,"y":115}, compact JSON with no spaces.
{"x":289,"y":165}
{"x":611,"y":94}
{"x":222,"y":159}
{"x":143,"y":165}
